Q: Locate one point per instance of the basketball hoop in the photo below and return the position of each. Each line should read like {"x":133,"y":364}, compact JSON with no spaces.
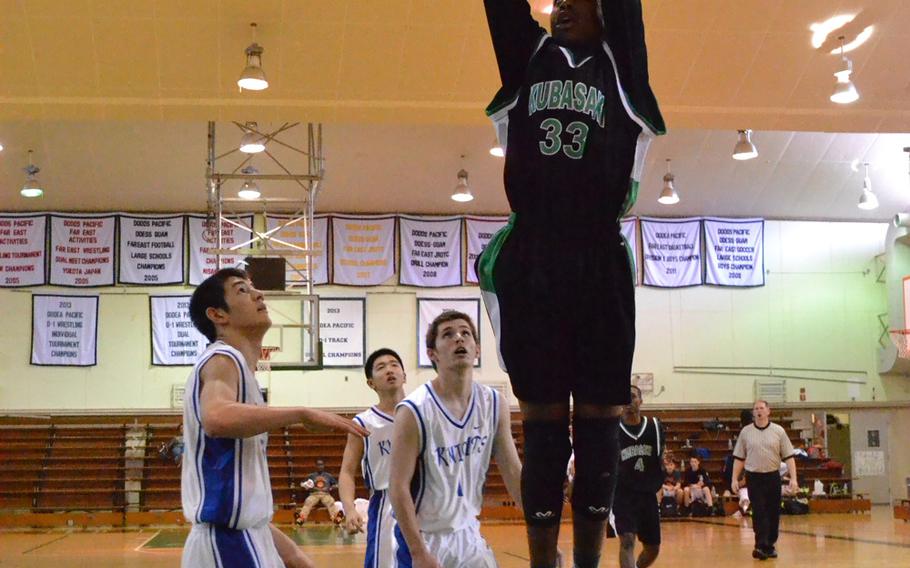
{"x":901,"y":340}
{"x":265,"y":356}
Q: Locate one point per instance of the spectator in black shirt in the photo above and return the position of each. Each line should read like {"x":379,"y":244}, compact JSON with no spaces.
{"x":697,"y":484}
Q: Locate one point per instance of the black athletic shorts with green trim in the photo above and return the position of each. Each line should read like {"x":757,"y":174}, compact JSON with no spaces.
{"x":563,"y":310}
{"x":637,"y":513}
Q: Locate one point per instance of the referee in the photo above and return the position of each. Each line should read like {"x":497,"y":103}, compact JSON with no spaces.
{"x":761,"y":448}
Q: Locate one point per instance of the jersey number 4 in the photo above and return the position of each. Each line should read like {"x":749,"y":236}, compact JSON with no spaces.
{"x":640,"y":465}
{"x":552,"y":144}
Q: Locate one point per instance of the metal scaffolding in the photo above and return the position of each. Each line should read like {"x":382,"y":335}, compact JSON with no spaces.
{"x":264,"y":241}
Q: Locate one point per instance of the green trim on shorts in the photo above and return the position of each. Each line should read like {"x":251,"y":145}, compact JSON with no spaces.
{"x":491,"y":253}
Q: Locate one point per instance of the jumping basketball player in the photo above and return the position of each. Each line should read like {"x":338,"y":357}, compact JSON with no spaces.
{"x":575,"y":116}
{"x":385,"y":375}
{"x":225,"y":485}
{"x":445,"y":434}
{"x":641,"y":474}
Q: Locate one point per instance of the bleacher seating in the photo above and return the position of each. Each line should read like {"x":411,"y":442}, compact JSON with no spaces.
{"x":82,"y":463}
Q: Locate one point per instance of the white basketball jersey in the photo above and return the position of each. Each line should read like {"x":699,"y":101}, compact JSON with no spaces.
{"x":454,"y":457}
{"x":377,"y":448}
{"x":225,"y":481}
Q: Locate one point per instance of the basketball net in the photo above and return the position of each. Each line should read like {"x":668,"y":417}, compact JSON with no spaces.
{"x":901,"y":340}
{"x":265,"y":357}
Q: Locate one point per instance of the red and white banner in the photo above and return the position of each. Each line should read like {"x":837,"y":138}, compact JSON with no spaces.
{"x":151,"y":250}
{"x":430,"y":251}
{"x":295,"y":234}
{"x":479,"y":231}
{"x":22,"y":250}
{"x":204,"y":239}
{"x":672,"y":250}
{"x":64,"y":330}
{"x":363,"y":250}
{"x":82,"y":250}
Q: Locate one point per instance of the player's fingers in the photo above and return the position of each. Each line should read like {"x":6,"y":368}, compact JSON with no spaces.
{"x":353,"y":427}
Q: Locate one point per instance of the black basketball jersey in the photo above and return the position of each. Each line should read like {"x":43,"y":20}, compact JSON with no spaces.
{"x":574,"y":142}
{"x":641,"y":466}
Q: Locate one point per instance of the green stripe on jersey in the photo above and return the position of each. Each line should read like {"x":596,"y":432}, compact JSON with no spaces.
{"x":490,"y":254}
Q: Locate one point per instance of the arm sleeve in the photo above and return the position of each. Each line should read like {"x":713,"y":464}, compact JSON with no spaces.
{"x":739,"y":451}
{"x":624,"y":32}
{"x":516,"y":36}
{"x":786,"y":447}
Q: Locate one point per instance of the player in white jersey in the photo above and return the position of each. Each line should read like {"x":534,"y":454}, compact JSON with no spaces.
{"x":225,"y":486}
{"x":446,"y":431}
{"x":385,"y":375}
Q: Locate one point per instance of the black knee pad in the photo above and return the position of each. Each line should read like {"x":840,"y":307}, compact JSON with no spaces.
{"x":596,"y":443}
{"x":546,"y":454}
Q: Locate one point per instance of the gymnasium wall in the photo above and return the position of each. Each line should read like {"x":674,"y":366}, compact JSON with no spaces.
{"x":814,"y":324}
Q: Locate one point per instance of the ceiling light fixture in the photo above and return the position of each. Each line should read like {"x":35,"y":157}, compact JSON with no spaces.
{"x":251,"y":142}
{"x":32,"y":187}
{"x":844,"y":92}
{"x":861,"y":38}
{"x":249,"y":189}
{"x":867,"y":201}
{"x":744,"y":149}
{"x":497,"y":150}
{"x":462,"y":192}
{"x":821,"y":30}
{"x":668,"y":195}
{"x":253,"y":77}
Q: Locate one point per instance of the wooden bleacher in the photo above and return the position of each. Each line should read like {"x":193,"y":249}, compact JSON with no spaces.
{"x":83,"y":464}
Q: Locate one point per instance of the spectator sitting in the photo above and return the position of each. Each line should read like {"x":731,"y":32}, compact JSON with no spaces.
{"x":320,"y":484}
{"x":173,"y":450}
{"x":698,"y":485}
{"x":672,"y":486}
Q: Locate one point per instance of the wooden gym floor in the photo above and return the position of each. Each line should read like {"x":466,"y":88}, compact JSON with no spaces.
{"x":856,"y":541}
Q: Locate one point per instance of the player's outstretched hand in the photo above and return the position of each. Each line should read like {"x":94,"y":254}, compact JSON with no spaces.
{"x":353,"y":523}
{"x":321,"y":421}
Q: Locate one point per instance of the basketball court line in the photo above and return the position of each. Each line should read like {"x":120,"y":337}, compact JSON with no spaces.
{"x":806,"y":533}
{"x":146,"y":541}
{"x":43,"y":544}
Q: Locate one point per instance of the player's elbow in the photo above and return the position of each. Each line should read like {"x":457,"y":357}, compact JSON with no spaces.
{"x":217,"y":424}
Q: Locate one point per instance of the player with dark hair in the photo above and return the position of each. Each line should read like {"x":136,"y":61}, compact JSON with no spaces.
{"x":385,"y":374}
{"x":641,"y":473}
{"x":575,"y":116}
{"x":225,"y":486}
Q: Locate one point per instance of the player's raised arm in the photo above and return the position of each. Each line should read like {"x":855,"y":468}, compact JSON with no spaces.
{"x":516,"y":36}
{"x":624,"y":32}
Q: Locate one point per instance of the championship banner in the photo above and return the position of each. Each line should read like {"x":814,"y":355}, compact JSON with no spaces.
{"x":175,"y":341}
{"x":672,"y":252}
{"x":22,"y":250}
{"x":363,"y":250}
{"x":430,"y":251}
{"x":64,"y":330}
{"x":429,"y":308}
{"x":479,"y":231}
{"x":342,"y":331}
{"x":202,"y":240}
{"x":294,"y":234}
{"x":82,"y":250}
{"x":734,"y":250}
{"x":151,"y":250}
{"x":627,"y":227}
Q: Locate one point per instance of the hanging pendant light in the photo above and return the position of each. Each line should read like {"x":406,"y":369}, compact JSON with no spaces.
{"x":462,"y":192}
{"x":32,"y":187}
{"x":497,"y":150}
{"x":253,"y":77}
{"x":668,"y":195}
{"x":844,"y":92}
{"x":744,"y":149}
{"x":249,"y":189}
{"x":251,"y":142}
{"x":867,"y":200}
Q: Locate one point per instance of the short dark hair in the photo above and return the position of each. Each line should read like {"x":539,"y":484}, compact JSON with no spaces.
{"x":210,"y":294}
{"x":371,"y":360}
{"x":638,"y":389}
{"x":447,"y":316}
